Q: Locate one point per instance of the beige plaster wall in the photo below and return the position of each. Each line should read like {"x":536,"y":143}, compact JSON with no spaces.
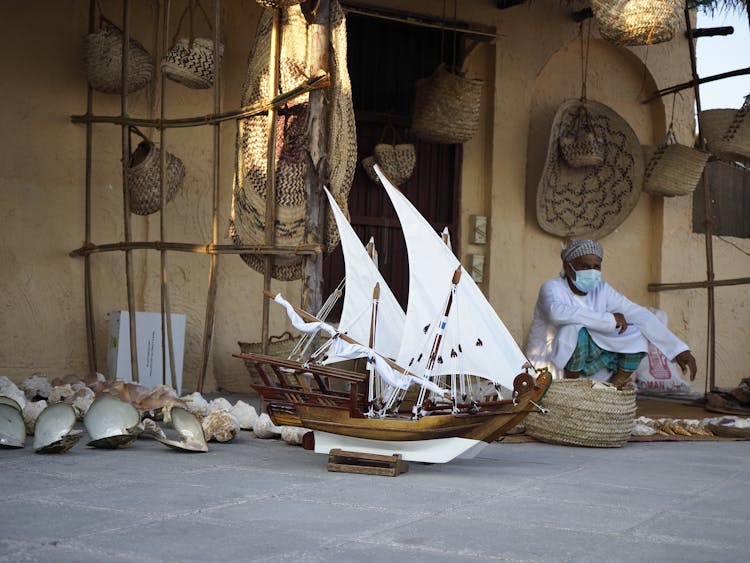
{"x":531,"y":67}
{"x":42,"y":198}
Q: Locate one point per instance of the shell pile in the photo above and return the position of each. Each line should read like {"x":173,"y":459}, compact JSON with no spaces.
{"x":116,"y":412}
{"x":645,"y":426}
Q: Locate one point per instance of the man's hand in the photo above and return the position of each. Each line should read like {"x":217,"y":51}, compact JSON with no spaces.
{"x":686,"y":361}
{"x":621,"y":324}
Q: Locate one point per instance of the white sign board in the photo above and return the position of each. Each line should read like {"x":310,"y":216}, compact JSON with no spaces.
{"x":149,"y":338}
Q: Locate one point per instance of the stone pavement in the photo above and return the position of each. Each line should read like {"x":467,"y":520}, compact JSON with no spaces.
{"x":265,"y":500}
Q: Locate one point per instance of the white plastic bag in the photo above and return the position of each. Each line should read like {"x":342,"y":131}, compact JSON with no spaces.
{"x":656,"y":373}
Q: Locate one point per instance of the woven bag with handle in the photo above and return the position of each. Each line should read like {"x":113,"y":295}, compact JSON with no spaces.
{"x":143,"y":177}
{"x":396,"y":159}
{"x":727,"y":132}
{"x":580,"y":146}
{"x":672,"y":169}
{"x":446,"y":107}
{"x":102,"y":56}
{"x":190,"y":61}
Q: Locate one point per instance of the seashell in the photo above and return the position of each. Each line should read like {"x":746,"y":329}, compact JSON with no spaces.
{"x":149,"y":427}
{"x":36,"y":386}
{"x":69,"y":379}
{"x":12,"y":427}
{"x":82,"y":400}
{"x":265,"y":428}
{"x":152,"y":399}
{"x":117,"y":387}
{"x":189,"y":429}
{"x":10,"y":401}
{"x":31,"y":412}
{"x":221,"y":426}
{"x":9,"y":389}
{"x":165,"y":411}
{"x":53,"y":431}
{"x":111,"y":422}
{"x":219,"y":404}
{"x":196,"y":404}
{"x":114,"y":442}
{"x":61,"y":393}
{"x":293,"y":434}
{"x":245,"y":414}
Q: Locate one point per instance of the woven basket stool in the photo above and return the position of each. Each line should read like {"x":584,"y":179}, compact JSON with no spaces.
{"x":582,"y":416}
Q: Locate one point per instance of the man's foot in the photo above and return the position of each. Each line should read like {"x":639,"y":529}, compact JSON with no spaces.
{"x":621,"y":378}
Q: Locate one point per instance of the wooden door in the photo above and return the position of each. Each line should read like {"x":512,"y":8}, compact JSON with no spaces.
{"x":385,"y":59}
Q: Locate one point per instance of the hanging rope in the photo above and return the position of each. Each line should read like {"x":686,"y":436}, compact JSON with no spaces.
{"x":585,"y":44}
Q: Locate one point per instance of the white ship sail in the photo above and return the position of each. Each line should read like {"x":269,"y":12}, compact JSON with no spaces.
{"x":361,"y":276}
{"x":475,"y":340}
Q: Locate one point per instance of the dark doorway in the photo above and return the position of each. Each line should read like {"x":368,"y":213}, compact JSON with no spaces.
{"x":385,"y":59}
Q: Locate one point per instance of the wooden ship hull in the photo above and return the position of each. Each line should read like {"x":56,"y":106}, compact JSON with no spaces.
{"x":287,"y":384}
{"x":490,"y":421}
{"x":303,"y":396}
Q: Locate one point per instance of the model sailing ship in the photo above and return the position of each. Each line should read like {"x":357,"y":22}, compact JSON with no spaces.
{"x":449,"y":357}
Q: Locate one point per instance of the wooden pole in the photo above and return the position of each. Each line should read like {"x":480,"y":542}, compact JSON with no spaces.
{"x":695,"y":285}
{"x":87,"y":289}
{"x":167,"y":341}
{"x":125,"y":191}
{"x":315,"y":82}
{"x":270,"y":231}
{"x":708,"y":222}
{"x":692,"y":83}
{"x":208,"y":326}
{"x":301,"y":250}
{"x":317,"y":170}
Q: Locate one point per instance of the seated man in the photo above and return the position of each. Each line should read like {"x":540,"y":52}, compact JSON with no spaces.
{"x":584,"y":327}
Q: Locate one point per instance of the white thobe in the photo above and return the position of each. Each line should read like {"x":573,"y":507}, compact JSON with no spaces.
{"x":560,"y":314}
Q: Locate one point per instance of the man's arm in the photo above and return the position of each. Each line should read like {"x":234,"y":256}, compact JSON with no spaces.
{"x":559,"y":311}
{"x":686,"y":361}
{"x":654,"y":330}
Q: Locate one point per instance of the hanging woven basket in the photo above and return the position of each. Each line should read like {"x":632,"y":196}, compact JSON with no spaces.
{"x":637,"y":22}
{"x":446,"y":107}
{"x":580,"y":145}
{"x":190,"y":61}
{"x":367,"y":165}
{"x":279,"y":3}
{"x":583,"y":412}
{"x":727,"y":131}
{"x":396,"y":159}
{"x":672,"y":169}
{"x":143,"y":178}
{"x":102,"y":56}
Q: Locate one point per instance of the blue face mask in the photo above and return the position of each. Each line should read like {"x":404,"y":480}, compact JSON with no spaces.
{"x":586,"y":280}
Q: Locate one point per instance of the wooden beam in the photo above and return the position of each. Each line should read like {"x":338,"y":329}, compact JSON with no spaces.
{"x":315,"y":82}
{"x":270,"y":217}
{"x":709,"y":31}
{"x":487,"y":32}
{"x":318,"y":163}
{"x":695,"y":285}
{"x":694,"y":82}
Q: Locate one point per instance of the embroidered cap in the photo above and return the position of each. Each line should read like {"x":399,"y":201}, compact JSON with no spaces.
{"x":578,"y":248}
